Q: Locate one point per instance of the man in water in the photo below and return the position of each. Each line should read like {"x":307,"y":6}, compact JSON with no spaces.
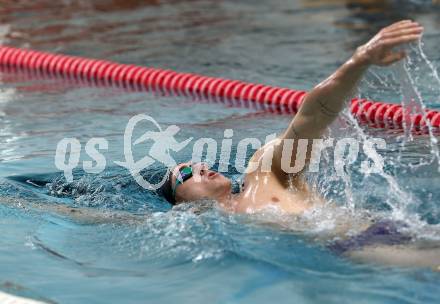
{"x":379,"y":242}
{"x":191,"y":182}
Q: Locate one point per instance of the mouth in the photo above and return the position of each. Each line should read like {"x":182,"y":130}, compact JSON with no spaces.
{"x":212,"y":174}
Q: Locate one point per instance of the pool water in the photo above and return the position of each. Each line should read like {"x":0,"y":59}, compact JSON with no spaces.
{"x":125,"y":244}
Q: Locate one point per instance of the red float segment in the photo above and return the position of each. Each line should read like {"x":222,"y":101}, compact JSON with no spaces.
{"x":198,"y":87}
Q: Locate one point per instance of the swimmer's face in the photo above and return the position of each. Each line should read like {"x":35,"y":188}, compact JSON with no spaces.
{"x":204,"y":184}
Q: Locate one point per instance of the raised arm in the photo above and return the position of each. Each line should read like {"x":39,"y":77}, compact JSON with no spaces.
{"x":324,"y":103}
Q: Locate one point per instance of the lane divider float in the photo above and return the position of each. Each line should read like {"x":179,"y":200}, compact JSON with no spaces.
{"x":199,"y":87}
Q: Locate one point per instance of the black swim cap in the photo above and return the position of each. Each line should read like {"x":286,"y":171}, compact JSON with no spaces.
{"x":166,"y":190}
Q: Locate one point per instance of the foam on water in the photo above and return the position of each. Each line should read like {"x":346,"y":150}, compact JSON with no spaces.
{"x":402,"y":201}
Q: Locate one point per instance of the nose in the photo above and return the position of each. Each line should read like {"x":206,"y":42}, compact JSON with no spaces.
{"x":202,"y":168}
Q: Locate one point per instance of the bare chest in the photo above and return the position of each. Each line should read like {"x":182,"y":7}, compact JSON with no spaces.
{"x":263,"y":193}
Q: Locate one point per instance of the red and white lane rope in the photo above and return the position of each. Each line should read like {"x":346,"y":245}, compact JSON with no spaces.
{"x":198,"y":87}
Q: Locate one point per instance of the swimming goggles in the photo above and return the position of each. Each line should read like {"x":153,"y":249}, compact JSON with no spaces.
{"x":184,"y":174}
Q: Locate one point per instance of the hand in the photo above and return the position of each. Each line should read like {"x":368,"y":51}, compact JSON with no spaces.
{"x":379,"y":50}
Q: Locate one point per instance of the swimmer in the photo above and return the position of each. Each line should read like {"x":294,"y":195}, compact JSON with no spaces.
{"x":380,"y":241}
{"x":376,"y":241}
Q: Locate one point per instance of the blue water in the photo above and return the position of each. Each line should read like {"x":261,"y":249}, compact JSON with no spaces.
{"x":125,"y":244}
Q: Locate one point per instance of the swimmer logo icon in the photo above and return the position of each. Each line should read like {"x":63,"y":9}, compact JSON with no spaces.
{"x":163,"y":142}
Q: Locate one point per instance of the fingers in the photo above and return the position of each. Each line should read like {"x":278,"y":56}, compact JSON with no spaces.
{"x":379,"y":49}
{"x":401,"y":27}
{"x":398,"y":24}
{"x":403,"y":32}
{"x":405,"y":26}
{"x":400,"y":40}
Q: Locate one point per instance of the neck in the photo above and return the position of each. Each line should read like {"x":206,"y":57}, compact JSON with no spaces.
{"x":228,"y":202}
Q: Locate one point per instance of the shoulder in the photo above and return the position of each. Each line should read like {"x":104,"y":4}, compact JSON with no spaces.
{"x":266,"y":163}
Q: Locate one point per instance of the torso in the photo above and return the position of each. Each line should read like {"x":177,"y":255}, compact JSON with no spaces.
{"x":263,"y":190}
{"x":289,"y":195}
